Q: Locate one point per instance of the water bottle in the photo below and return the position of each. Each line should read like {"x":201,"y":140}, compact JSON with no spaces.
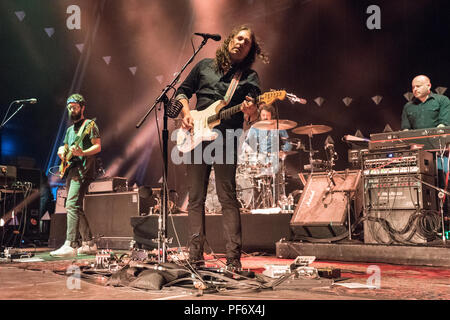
{"x":283,"y":203}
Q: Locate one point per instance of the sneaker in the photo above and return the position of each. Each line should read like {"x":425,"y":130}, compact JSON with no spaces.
{"x":87,"y":248}
{"x":233,"y":265}
{"x":65,"y":251}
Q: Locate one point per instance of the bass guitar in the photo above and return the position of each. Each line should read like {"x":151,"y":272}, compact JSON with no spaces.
{"x":66,"y":161}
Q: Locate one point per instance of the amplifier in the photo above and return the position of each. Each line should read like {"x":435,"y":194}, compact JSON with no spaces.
{"x":399,"y":161}
{"x":399,"y":192}
{"x":112,"y":184}
{"x":109,"y":214}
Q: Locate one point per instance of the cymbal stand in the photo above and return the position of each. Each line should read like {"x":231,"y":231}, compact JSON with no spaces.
{"x":275,"y":187}
{"x":311,"y":153}
{"x":283,"y":178}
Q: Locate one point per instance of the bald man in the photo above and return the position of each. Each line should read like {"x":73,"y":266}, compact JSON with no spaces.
{"x":427,"y":109}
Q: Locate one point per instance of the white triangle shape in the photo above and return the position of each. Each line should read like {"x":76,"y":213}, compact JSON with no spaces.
{"x":440,"y":90}
{"x":107,"y":59}
{"x":408,"y":96}
{"x":377,"y":99}
{"x":347,"y":101}
{"x":80,"y":47}
{"x":49,"y":31}
{"x":319,"y":101}
{"x":160,"y":78}
{"x":45,"y":217}
{"x":13,"y":221}
{"x":133,"y":70}
{"x":20,"y":15}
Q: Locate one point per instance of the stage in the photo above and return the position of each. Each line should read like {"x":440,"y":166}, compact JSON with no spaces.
{"x":25,"y":279}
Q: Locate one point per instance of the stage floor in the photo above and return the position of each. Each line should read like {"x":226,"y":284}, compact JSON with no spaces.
{"x":46,"y":280}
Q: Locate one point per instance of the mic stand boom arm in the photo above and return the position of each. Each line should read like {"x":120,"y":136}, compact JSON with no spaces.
{"x":162,"y":225}
{"x":4,"y":122}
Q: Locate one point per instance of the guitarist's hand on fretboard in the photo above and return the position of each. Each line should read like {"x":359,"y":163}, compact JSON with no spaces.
{"x":249,"y":108}
{"x":77,"y":151}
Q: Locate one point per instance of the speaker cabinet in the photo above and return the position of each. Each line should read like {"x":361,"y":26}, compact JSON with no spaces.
{"x":322,"y":209}
{"x":109,"y":214}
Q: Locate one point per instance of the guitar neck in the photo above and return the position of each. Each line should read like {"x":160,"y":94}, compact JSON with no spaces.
{"x":80,"y":138}
{"x":227,"y":113}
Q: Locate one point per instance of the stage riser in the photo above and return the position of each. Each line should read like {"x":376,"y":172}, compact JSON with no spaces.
{"x":260,"y":232}
{"x":393,"y":254}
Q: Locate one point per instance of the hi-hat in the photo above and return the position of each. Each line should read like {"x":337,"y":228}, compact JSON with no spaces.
{"x":312,"y":129}
{"x":272,"y":124}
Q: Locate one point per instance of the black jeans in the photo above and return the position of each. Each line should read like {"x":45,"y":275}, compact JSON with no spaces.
{"x":198,"y":178}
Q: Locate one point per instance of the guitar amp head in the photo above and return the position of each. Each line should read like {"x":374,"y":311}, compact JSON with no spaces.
{"x":112,"y":184}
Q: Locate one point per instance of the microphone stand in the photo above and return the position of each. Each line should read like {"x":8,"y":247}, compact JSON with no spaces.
{"x":4,"y":122}
{"x":163,"y":212}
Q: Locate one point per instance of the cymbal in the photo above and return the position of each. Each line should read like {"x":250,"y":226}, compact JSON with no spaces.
{"x":312,"y":129}
{"x":272,"y":124}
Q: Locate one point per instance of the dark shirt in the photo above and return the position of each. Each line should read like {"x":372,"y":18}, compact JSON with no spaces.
{"x":429,"y":114}
{"x":210,"y":86}
{"x":85,"y":164}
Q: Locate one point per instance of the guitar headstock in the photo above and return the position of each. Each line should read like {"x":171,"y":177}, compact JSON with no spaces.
{"x":90,"y":125}
{"x":272,"y":96}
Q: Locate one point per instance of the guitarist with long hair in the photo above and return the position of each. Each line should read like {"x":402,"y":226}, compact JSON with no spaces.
{"x":210,"y":80}
{"x":81,"y":143}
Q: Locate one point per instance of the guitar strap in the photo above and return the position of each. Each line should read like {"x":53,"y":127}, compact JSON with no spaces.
{"x":233,"y":85}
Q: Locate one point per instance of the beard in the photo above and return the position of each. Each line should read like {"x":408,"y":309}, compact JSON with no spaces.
{"x":75,"y":116}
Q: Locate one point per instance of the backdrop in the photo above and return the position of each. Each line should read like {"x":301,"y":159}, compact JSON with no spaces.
{"x":352,"y":63}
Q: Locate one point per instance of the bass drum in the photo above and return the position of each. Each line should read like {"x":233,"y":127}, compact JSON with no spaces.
{"x":244,"y":192}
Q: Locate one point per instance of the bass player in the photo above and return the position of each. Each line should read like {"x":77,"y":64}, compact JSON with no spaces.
{"x":82,"y":142}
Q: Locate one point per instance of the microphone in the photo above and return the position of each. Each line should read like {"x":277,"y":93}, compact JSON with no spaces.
{"x":215,"y":37}
{"x":174,"y":108}
{"x":31,"y":101}
{"x":351,"y":138}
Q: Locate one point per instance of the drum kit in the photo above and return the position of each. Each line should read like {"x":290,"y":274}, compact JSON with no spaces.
{"x":261,"y":178}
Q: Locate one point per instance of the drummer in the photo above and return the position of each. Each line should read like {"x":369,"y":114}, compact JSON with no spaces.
{"x":266,"y":143}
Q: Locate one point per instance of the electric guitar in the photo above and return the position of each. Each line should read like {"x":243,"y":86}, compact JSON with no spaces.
{"x":66,"y":161}
{"x":206,"y":120}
